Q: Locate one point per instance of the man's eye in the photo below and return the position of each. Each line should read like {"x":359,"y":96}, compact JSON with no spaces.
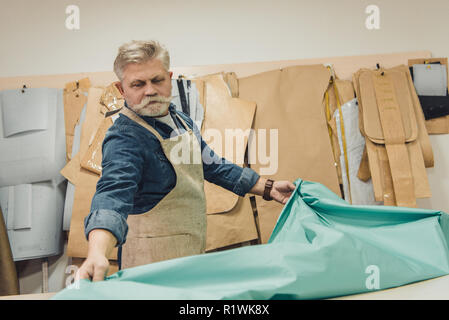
{"x":137,"y":85}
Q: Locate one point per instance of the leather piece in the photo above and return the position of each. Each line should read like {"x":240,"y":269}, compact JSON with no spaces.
{"x":388,"y":195}
{"x":111,"y":98}
{"x":346,"y":93}
{"x":423,"y":136}
{"x":371,"y":121}
{"x":364,"y":173}
{"x":224,"y":113}
{"x":93,"y":119}
{"x":233,"y":83}
{"x":421,"y":185}
{"x":401,"y":172}
{"x":74,"y":101}
{"x":84,"y":180}
{"x":73,"y":105}
{"x":84,"y":191}
{"x":82,"y":85}
{"x":233,"y":227}
{"x":345,"y":90}
{"x":387,"y":166}
{"x":437,"y":125}
{"x":388,"y":106}
{"x":330,"y":102}
{"x":92,"y":158}
{"x":291,"y":101}
{"x":230,"y":218}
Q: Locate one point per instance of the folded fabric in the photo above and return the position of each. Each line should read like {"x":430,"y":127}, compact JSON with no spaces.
{"x":320,"y":247}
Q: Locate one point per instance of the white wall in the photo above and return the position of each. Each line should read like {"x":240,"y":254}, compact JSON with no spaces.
{"x":35,"y":40}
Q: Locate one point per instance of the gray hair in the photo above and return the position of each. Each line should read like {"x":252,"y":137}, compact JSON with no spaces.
{"x":140,"y":52}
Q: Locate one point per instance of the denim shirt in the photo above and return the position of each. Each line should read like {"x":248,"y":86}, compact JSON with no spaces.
{"x":136,"y":174}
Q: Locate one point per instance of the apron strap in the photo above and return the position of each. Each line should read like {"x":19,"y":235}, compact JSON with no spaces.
{"x":182,"y":96}
{"x":186,"y":127}
{"x":133,"y":116}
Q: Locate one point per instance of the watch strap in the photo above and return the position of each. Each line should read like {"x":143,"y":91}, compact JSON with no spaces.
{"x":267,"y":190}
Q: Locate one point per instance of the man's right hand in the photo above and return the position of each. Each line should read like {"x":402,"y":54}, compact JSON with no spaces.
{"x":96,"y":266}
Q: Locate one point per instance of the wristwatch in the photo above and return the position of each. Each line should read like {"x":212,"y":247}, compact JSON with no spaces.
{"x":266,"y":192}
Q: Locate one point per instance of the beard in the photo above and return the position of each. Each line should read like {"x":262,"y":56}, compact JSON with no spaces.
{"x":152,"y":106}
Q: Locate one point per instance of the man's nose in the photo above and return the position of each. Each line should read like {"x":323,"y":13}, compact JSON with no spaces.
{"x":150,"y":90}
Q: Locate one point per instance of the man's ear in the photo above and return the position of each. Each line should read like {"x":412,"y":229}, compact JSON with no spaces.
{"x":171,"y":74}
{"x":118,"y":85}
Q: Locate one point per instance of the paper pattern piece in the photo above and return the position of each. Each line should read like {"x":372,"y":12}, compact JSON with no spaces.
{"x":397,"y":143}
{"x":33,"y":215}
{"x":33,"y":155}
{"x":290,"y":103}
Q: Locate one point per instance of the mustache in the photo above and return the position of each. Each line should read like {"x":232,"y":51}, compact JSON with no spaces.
{"x":146,"y":100}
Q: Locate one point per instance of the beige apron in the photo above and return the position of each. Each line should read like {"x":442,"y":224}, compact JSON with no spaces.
{"x":176,"y":226}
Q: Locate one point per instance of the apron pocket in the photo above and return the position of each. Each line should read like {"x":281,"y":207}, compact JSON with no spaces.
{"x":140,"y":251}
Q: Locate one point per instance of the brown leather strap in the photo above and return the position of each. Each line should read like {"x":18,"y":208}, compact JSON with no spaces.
{"x":394,"y":135}
{"x":268,"y":187}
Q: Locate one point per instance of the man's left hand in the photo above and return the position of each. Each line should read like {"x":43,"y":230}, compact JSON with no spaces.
{"x":281,"y":191}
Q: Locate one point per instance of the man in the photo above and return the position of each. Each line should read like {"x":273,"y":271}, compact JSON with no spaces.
{"x":148,"y":203}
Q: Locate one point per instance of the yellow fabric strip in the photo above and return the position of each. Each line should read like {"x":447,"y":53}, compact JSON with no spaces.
{"x":343,"y":138}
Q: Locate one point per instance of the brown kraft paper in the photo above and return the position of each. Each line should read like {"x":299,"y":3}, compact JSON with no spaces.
{"x":290,"y":101}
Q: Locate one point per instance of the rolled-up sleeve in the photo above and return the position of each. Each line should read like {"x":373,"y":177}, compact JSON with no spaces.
{"x":122,"y":164}
{"x":227,"y":174}
{"x":109,"y":220}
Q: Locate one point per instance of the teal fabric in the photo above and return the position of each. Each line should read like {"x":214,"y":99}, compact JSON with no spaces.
{"x":321,"y":247}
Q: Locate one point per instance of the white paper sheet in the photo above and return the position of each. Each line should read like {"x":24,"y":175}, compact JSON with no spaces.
{"x":36,"y":155}
{"x":430,"y":79}
{"x":24,"y":110}
{"x":193,"y":99}
{"x":42,"y":203}
{"x":362,"y":193}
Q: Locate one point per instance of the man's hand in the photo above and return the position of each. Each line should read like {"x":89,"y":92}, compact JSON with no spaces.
{"x":281,"y":191}
{"x":94,"y":268}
